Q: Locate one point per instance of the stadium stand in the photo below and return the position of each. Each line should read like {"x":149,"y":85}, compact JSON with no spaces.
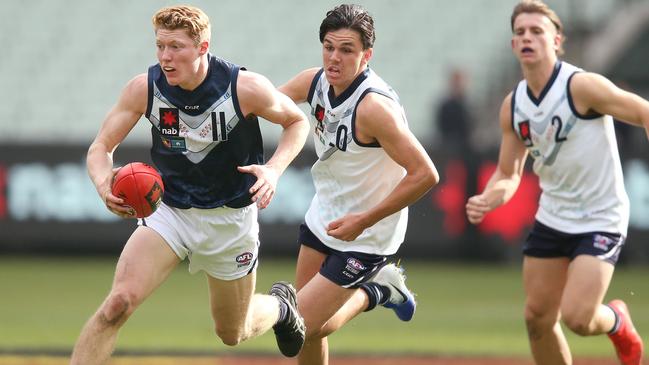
{"x":64,"y":63}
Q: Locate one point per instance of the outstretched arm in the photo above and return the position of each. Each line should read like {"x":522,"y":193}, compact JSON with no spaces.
{"x":505,"y":180}
{"x":258,"y":96}
{"x":594,"y":92}
{"x":116,"y":125}
{"x":380,"y":119}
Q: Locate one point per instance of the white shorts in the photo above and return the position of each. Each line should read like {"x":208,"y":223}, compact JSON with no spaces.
{"x":223,"y":242}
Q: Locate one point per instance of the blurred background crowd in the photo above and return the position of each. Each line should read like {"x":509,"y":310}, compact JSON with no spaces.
{"x":63,"y":65}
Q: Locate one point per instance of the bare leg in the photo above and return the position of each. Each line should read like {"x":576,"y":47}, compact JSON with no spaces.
{"x":144,"y":264}
{"x":324,"y":305}
{"x":315,"y":350}
{"x":582,"y":309}
{"x":238,"y":313}
{"x":544,"y":281}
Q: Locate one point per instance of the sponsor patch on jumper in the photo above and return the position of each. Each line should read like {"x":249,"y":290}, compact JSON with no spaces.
{"x":169,"y":122}
{"x":174,"y":143}
{"x":526,"y":135}
{"x":319,"y":113}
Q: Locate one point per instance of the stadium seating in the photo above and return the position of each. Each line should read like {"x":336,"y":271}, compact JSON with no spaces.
{"x":63,"y":64}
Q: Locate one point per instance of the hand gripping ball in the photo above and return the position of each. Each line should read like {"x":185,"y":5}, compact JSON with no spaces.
{"x":140,"y":186}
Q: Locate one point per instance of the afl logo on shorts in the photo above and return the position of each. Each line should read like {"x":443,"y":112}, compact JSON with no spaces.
{"x":354,"y":265}
{"x":244,"y":259}
{"x":602,"y":242}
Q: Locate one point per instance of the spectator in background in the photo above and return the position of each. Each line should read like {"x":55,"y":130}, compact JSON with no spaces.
{"x":460,"y":170}
{"x":453,"y":117}
{"x":562,"y":117}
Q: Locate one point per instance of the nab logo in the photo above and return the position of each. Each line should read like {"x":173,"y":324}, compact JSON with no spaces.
{"x":319,"y":114}
{"x":526,"y":135}
{"x":169,"y":121}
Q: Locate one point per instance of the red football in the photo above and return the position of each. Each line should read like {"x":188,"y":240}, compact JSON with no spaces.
{"x":140,"y":186}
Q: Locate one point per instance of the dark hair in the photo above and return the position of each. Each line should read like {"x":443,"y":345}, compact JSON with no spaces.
{"x":350,"y":16}
{"x":538,"y":6}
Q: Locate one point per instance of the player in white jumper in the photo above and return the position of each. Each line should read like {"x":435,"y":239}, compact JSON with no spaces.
{"x":562,"y":117}
{"x":370,"y":167}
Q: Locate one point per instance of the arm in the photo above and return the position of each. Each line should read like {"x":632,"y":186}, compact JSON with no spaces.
{"x":379,"y":119}
{"x":298,"y":87}
{"x":257,"y":96}
{"x":116,"y":125}
{"x":503,"y":183}
{"x":593,"y":92}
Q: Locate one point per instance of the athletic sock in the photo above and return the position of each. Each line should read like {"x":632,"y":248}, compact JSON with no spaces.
{"x":376,"y":294}
{"x":283,"y":311}
{"x":616,"y":325}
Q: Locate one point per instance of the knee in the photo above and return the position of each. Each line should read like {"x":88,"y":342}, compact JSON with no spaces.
{"x":230,"y":337}
{"x":313,"y":333}
{"x":577,"y":322}
{"x":117,"y":308}
{"x":539,"y":321}
{"x":314,"y":330}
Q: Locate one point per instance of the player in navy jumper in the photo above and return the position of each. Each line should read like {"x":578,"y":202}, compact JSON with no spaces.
{"x":208,"y":148}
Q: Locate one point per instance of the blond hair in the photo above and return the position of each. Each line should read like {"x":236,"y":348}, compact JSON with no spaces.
{"x":190,"y":18}
{"x":539,"y":7}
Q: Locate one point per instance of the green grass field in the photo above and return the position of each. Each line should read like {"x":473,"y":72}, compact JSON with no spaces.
{"x":463,"y":310}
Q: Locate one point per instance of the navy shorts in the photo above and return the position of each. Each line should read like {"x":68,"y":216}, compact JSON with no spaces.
{"x":545,"y":242}
{"x":347,"y":269}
